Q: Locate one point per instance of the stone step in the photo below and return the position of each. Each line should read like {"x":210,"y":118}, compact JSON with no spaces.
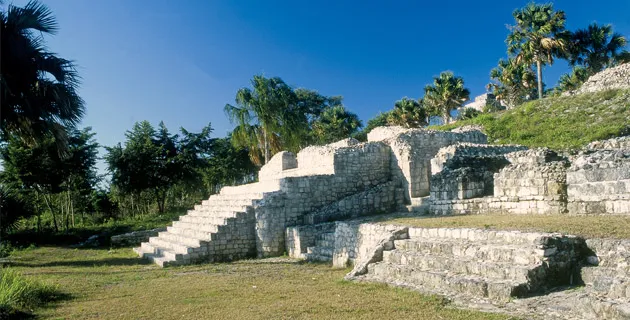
{"x":463,"y":265}
{"x":156,"y":250}
{"x":320,"y":251}
{"x":595,"y":307}
{"x":227,"y":202}
{"x":171,"y":246}
{"x":489,"y":252}
{"x":213,"y":213}
{"x":265,"y":186}
{"x":183,"y":239}
{"x":253,"y":195}
{"x":444,"y":282}
{"x":193,"y":233}
{"x":207,"y":227}
{"x":477,"y":235}
{"x":220,"y":208}
{"x":218,"y":221}
{"x":610,"y":282}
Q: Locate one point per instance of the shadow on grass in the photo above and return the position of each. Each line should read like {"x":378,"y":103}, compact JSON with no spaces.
{"x":85,"y":263}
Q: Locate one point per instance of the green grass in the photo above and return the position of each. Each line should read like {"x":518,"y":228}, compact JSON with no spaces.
{"x":586,"y":226}
{"x":20,"y":294}
{"x":117,"y":285}
{"x":558,"y":122}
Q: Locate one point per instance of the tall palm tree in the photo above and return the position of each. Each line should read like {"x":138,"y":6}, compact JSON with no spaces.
{"x":267,"y":117}
{"x":408,"y":113}
{"x":512,"y":83}
{"x":597,"y":47}
{"x":335,"y":123}
{"x":537,"y":37}
{"x":38,"y":89}
{"x":446,"y":94}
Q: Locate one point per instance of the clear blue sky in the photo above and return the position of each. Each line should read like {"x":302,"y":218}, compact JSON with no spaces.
{"x":182,"y":61}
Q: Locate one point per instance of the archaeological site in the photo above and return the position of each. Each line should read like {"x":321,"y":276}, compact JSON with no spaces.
{"x":324,"y":204}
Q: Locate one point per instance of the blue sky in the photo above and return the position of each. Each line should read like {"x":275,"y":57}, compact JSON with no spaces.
{"x":182,"y":61}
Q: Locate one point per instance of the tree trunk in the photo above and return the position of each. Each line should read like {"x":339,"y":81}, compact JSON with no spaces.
{"x":47,"y":200}
{"x":539,"y":73}
{"x":266,"y":147}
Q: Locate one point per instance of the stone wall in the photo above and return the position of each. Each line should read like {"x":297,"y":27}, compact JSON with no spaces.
{"x":356,"y":169}
{"x":280,"y":162}
{"x":134,"y":238}
{"x":299,"y":238}
{"x":383,"y":198}
{"x":534,"y":182}
{"x":355,"y":241}
{"x":599,"y":182}
{"x":413,"y":150}
{"x":612,"y":78}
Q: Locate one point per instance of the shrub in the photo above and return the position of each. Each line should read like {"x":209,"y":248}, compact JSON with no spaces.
{"x":18,"y":293}
{"x":468,"y":113}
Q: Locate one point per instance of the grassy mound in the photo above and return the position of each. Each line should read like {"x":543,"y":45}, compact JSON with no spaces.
{"x":558,"y":122}
{"x":20,"y":294}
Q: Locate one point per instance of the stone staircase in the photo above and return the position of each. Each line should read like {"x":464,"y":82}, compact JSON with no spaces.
{"x":492,"y":265}
{"x":323,"y":249}
{"x":221,"y":228}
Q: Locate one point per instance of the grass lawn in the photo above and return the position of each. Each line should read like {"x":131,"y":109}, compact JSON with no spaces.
{"x":103,"y":284}
{"x":586,"y":226}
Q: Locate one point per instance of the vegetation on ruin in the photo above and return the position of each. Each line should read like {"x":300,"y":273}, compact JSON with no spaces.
{"x":586,"y":226}
{"x":277,"y":288}
{"x":557,"y":122}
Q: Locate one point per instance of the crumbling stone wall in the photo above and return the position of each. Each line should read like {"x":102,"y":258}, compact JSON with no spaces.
{"x":534,"y":182}
{"x":413,"y":150}
{"x":599,"y":181}
{"x":299,"y":238}
{"x":612,"y":78}
{"x":355,"y":240}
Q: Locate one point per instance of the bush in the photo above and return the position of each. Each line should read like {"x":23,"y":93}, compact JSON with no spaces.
{"x":468,"y":113}
{"x":18,"y":293}
{"x":6,"y":249}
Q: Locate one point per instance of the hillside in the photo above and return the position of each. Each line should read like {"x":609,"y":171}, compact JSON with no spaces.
{"x":560,"y":122}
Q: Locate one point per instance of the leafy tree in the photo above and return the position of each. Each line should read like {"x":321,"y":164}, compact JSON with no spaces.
{"x":268,"y":118}
{"x":446,"y":94}
{"x":537,"y":37}
{"x":40,"y":173}
{"x":596,"y":48}
{"x":38,"y":88}
{"x":409,"y":113}
{"x":227,"y":166}
{"x":513,"y":83}
{"x":151,"y":163}
{"x":335,"y":123}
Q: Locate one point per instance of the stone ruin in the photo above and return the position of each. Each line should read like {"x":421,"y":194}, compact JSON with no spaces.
{"x":320,"y":204}
{"x":612,"y":78}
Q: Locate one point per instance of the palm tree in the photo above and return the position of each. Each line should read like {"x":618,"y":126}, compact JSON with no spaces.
{"x":38,"y":89}
{"x":335,"y":123}
{"x":267,"y":118}
{"x":537,"y":37}
{"x":513,"y":82}
{"x":446,"y":94}
{"x":408,"y":113}
{"x":572,"y":81}
{"x":597,"y":47}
